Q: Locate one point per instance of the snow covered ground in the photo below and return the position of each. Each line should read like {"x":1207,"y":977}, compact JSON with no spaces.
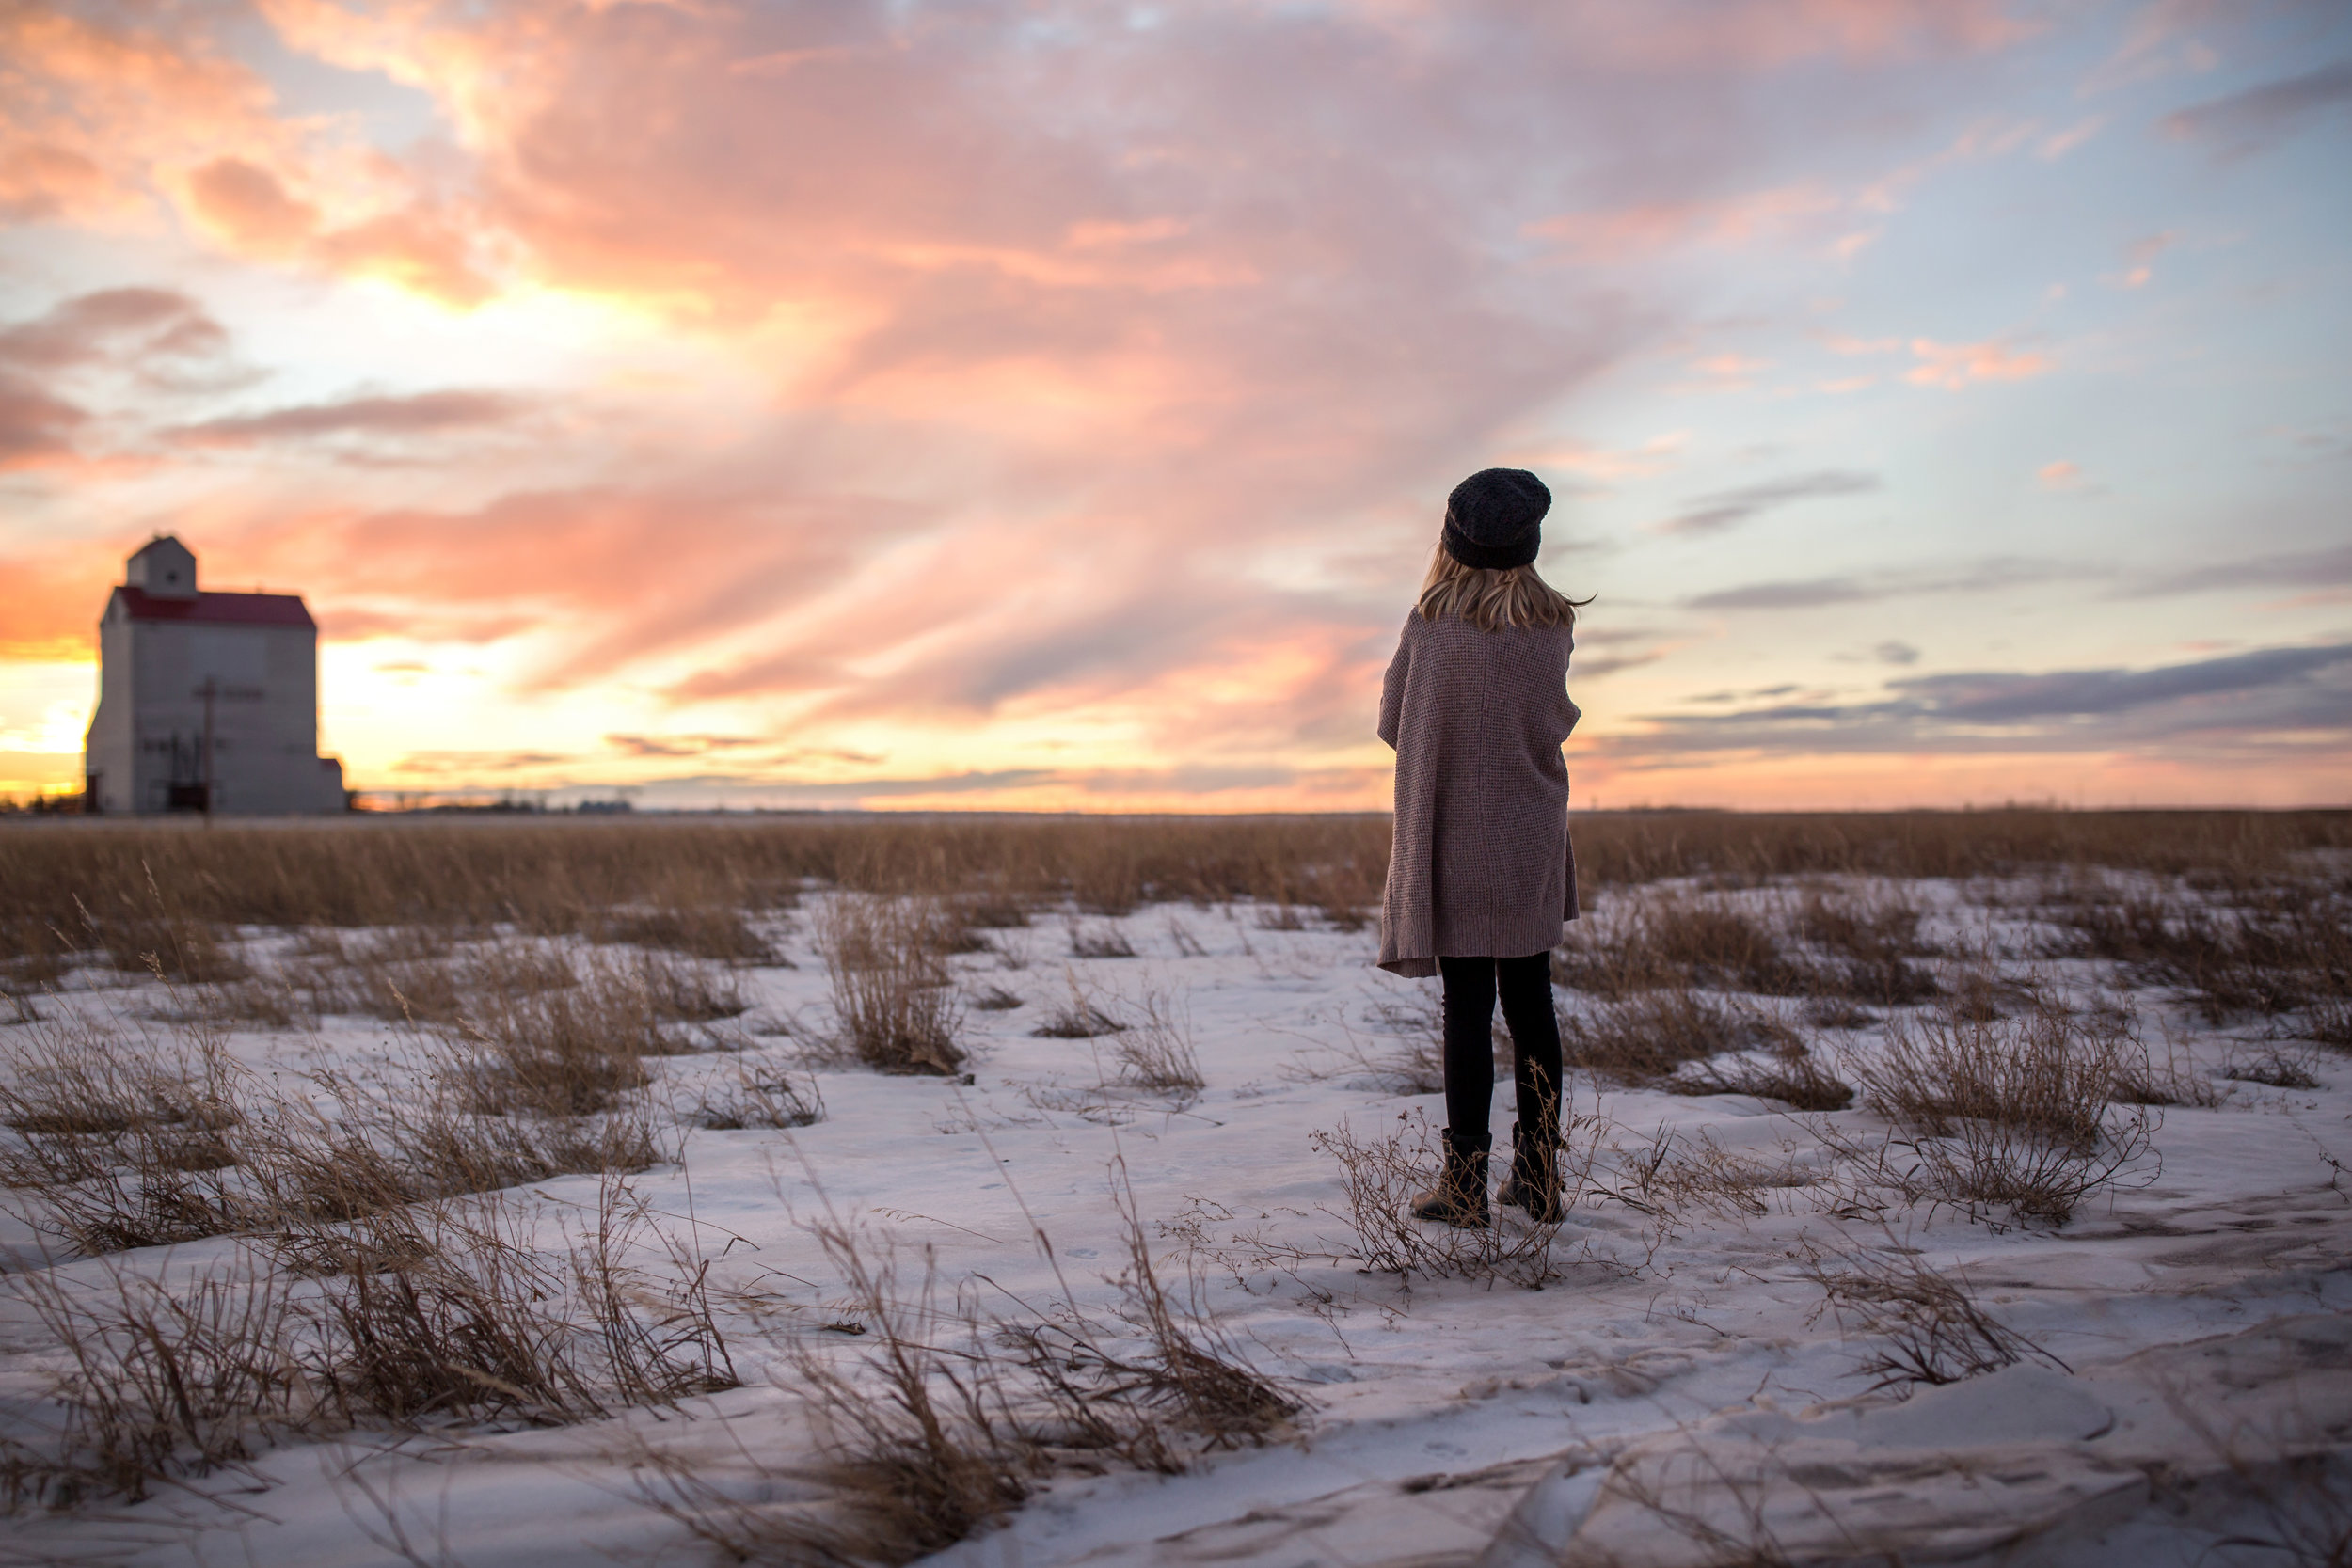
{"x":1682,"y":1392}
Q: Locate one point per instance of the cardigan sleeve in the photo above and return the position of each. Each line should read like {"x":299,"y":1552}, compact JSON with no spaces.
{"x":1393,"y":689}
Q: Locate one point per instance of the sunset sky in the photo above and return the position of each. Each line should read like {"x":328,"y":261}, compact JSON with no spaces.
{"x":1028,"y":404}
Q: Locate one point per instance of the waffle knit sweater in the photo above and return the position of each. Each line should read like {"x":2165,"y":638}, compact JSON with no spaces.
{"x":1481,"y":864}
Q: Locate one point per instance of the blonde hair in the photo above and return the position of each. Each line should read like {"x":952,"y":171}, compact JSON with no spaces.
{"x":1491,"y":600}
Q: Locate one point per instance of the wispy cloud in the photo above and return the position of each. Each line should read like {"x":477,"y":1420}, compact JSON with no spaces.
{"x":676,"y":746}
{"x":2009,"y":699}
{"x":1727,"y":509}
{"x":472,"y":766}
{"x":2296,"y":699}
{"x":1865,"y":588}
{"x":1956,"y":365}
{"x":143,"y":326}
{"x":2292,"y":569}
{"x":1594,"y":669}
{"x":158,"y":339}
{"x":35,"y":426}
{"x":392,"y":417}
{"x":2250,"y":120}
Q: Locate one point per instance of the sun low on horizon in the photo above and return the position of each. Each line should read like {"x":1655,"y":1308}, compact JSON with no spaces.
{"x":1014,"y":405}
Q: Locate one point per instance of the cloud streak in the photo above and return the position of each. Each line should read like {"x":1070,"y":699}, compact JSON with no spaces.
{"x":2244,"y":122}
{"x":394,"y":418}
{"x":1727,"y":509}
{"x":2283,"y":700}
{"x":2292,"y":569}
{"x":1871,"y":588}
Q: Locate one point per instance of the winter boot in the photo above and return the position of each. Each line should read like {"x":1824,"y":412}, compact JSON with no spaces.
{"x":1534,"y":1184}
{"x":1460,"y":1197}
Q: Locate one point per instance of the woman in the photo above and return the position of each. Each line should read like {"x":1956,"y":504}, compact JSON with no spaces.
{"x":1482,"y":875}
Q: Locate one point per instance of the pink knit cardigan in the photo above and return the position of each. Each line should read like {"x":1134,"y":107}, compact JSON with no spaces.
{"x":1481,"y":864}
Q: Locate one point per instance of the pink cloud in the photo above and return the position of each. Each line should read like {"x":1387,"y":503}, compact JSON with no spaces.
{"x":1956,"y":365}
{"x":37,"y":428}
{"x":92,"y":111}
{"x":2140,"y":265}
{"x":414,"y":414}
{"x":635,"y":572}
{"x":248,"y":210}
{"x":1636,"y":232}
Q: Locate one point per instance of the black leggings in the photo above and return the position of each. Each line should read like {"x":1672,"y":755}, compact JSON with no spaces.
{"x":1469,"y":1052}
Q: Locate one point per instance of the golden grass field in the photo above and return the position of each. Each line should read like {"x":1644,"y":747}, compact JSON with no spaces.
{"x":70,"y":885}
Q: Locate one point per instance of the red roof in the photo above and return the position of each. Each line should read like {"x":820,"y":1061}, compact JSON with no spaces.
{"x":234,"y":609}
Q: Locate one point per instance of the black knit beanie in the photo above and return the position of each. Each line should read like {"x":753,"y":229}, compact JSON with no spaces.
{"x":1494,"y":520}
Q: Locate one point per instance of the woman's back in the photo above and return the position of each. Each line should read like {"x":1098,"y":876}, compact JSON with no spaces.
{"x":1481,"y":873}
{"x":1481,"y":861}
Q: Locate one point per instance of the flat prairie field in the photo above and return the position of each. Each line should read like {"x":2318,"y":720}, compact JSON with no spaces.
{"x":994,"y":1191}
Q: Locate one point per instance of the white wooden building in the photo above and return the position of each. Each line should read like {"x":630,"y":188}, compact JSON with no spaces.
{"x":206,"y":701}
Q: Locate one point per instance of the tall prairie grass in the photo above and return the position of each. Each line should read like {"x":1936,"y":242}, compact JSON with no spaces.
{"x":160,"y":892}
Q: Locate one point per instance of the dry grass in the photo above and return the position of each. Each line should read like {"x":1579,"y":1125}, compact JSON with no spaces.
{"x":952,"y":1416}
{"x":561,"y":1054}
{"x":2329,"y":1021}
{"x":2273,"y":1065}
{"x":2142,"y":1080}
{"x":929,"y":1444}
{"x":74,"y":1077}
{"x":1675,"y":1179}
{"x":350,"y":1149}
{"x":561,"y":1045}
{"x":894,"y":996}
{"x":1159,"y":1384}
{"x":1104,"y":941}
{"x":122,"y":1141}
{"x":79,"y":885}
{"x":159,"y":1382}
{"x":757,"y":1099}
{"x":996,"y":999}
{"x":1153,"y":1047}
{"x":2271,"y":948}
{"x":417,"y":976}
{"x":716,"y":932}
{"x":1929,"y":1327}
{"x":1837,"y":1012}
{"x":2045,"y":1074}
{"x":678,"y":991}
{"x":991,"y":911}
{"x":442,"y":1314}
{"x":1646,"y":1037}
{"x":2006,"y":1116}
{"x":1868,"y":941}
{"x":1793,"y":1076}
{"x":1679,"y":942}
{"x":1080,"y":1016}
{"x":1379,"y":1176}
{"x":1861,"y":948}
{"x":145,"y":1139}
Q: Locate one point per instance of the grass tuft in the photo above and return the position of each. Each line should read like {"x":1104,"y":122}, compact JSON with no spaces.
{"x":1646,"y":1037}
{"x":892,"y":994}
